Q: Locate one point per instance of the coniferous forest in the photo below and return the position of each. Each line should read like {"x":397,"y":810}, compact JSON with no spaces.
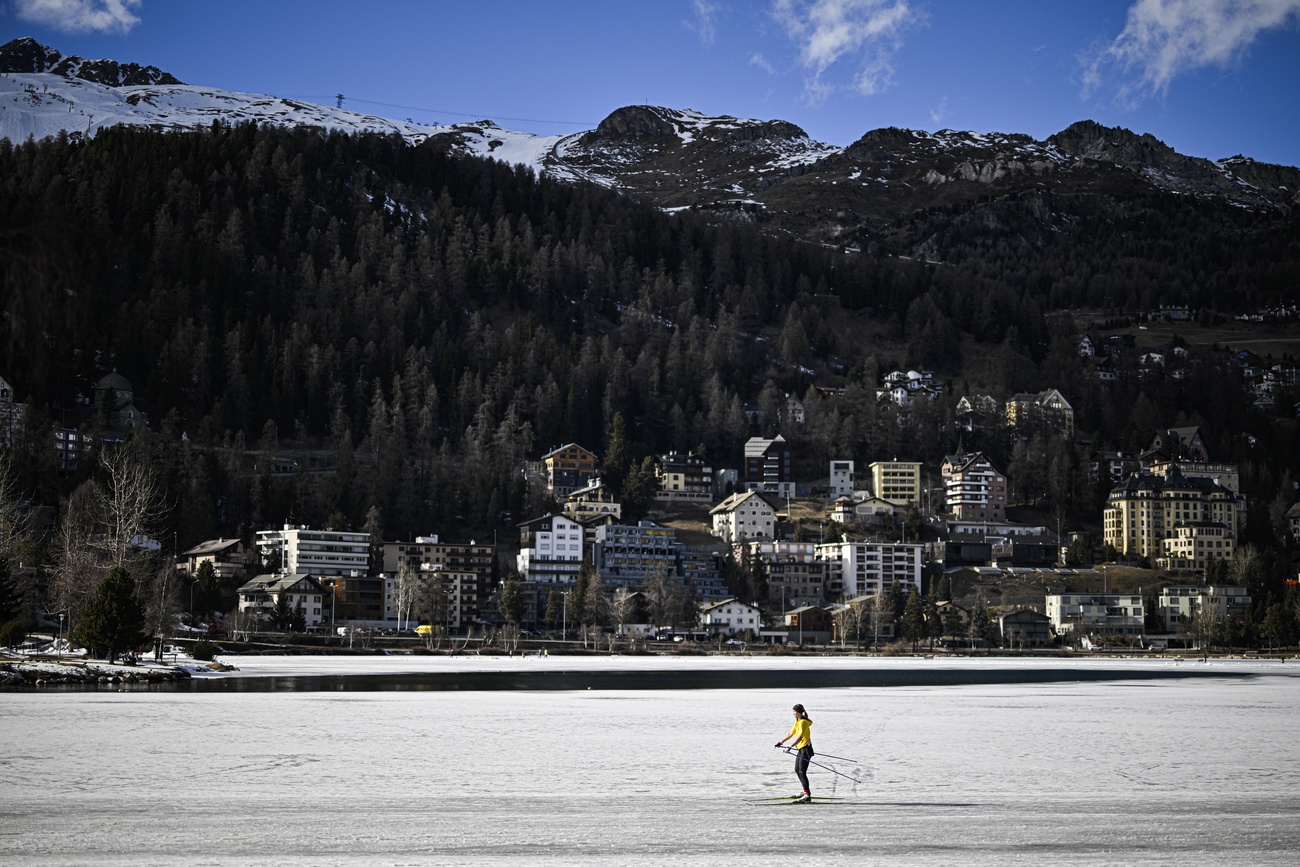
{"x":337,"y":330}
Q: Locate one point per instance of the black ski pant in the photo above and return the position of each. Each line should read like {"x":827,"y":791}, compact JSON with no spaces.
{"x":801,"y":765}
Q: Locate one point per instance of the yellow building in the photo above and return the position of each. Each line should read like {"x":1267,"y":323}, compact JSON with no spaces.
{"x":1047,"y":409}
{"x":1194,"y":545}
{"x":897,"y":482}
{"x":1148,"y":509}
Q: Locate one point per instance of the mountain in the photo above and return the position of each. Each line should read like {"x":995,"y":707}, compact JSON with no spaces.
{"x":26,"y":55}
{"x":892,"y":192}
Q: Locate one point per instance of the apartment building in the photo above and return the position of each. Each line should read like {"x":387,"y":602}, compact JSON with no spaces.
{"x":550,"y":550}
{"x":974,"y":489}
{"x":322,"y":553}
{"x":684,"y":477}
{"x":1096,"y":613}
{"x":896,"y":482}
{"x":1180,"y":605}
{"x":868,"y":568}
{"x":795,"y":575}
{"x":1146,"y":510}
{"x":768,"y":466}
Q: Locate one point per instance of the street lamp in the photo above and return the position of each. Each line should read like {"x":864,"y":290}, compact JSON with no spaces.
{"x":192,"y":583}
{"x":61,"y":616}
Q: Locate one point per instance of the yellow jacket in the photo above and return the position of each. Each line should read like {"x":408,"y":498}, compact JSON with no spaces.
{"x":802,"y":728}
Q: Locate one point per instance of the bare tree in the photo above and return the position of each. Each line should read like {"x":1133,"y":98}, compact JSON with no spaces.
{"x":15,"y":518}
{"x":623,"y":607}
{"x":1207,"y":625}
{"x":132,"y":503}
{"x":104,"y":524}
{"x":405,"y":589}
{"x":1245,"y":565}
{"x":243,"y":622}
{"x":664,"y":592}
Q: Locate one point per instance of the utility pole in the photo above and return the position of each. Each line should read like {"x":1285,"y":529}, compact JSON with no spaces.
{"x":339,"y":97}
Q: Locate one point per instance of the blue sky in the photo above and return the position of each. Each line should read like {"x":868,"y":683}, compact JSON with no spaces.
{"x":1211,"y":78}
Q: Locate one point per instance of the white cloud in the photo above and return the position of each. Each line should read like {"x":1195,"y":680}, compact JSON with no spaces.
{"x":761,"y":62}
{"x":80,"y":16}
{"x":1163,"y":39}
{"x":863,"y":33}
{"x":938,"y":114}
{"x":702,"y":24}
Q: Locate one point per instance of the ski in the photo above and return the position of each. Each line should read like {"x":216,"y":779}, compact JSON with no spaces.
{"x":790,"y":798}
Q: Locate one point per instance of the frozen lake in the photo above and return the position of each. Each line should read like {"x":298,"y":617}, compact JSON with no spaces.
{"x":389,"y":765}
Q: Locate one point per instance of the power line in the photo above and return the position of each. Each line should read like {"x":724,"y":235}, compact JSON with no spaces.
{"x":339,"y":97}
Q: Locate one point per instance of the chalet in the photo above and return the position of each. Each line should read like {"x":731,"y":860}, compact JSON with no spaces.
{"x":742,"y":517}
{"x":730,"y":617}
{"x":568,"y":468}
{"x":231,"y":559}
{"x":259,"y":595}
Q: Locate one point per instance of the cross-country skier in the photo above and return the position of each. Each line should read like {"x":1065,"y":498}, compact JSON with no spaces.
{"x":802,"y":734}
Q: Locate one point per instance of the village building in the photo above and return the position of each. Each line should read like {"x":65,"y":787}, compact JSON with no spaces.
{"x":550,"y":550}
{"x":872,"y":510}
{"x":795,"y":575}
{"x":730,"y":617}
{"x":1096,"y":613}
{"x":232,"y":561}
{"x":1045,"y":411}
{"x":1024,"y":627}
{"x":259,"y":595}
{"x":322,"y":553}
{"x":897,"y":482}
{"x":1179,"y":606}
{"x":768,"y":466}
{"x":1147,"y":509}
{"x":973,"y":488}
{"x":743,"y":517}
{"x":866,"y":568}
{"x":595,"y":500}
{"x":809,"y":624}
{"x":683,"y":477}
{"x":568,"y":468}
{"x":841,"y":479}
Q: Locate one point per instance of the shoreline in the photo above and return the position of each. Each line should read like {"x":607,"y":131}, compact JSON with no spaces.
{"x":613,"y":671}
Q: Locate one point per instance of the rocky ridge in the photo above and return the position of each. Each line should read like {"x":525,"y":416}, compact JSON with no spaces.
{"x":892,"y":191}
{"x":26,"y":55}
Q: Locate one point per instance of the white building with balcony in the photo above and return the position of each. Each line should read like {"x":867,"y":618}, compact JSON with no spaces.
{"x":550,"y":550}
{"x":868,"y":568}
{"x":1096,"y":613}
{"x":322,"y":553}
{"x":1180,"y":605}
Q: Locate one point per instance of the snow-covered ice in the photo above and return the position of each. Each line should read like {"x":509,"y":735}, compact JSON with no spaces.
{"x":1131,"y":771}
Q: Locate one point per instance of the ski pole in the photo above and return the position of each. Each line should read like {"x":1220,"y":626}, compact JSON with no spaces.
{"x":788,"y":751}
{"x":838,"y":758}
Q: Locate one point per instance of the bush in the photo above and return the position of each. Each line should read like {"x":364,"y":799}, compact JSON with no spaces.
{"x":203,"y":650}
{"x":13,"y":632}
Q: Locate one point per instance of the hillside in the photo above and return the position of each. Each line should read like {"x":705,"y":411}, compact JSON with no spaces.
{"x":320,"y":320}
{"x":949,"y":196}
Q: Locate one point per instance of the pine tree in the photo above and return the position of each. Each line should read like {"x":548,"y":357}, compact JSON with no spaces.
{"x":282,"y":613}
{"x":11,"y":602}
{"x":113,"y":620}
{"x":554,"y":606}
{"x":595,"y":607}
{"x":298,"y":617}
{"x":512,"y":601}
{"x":207,"y":592}
{"x":913,"y":620}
